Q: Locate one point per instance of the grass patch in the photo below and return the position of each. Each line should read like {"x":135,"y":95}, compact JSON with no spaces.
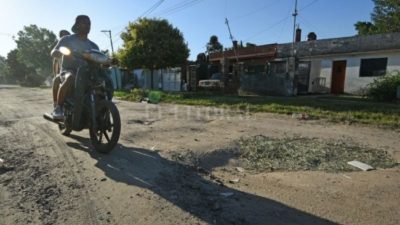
{"x":262,"y":153}
{"x":333,"y":108}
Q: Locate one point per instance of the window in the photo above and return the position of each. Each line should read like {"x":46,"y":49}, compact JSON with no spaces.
{"x":278,"y":67}
{"x":254,"y":69}
{"x":373,"y":67}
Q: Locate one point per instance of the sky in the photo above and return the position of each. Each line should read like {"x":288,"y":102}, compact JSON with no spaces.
{"x":255,"y":21}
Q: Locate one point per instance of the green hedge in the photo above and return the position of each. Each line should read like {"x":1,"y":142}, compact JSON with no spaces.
{"x":384,"y":88}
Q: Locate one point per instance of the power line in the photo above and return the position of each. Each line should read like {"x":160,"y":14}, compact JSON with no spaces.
{"x":280,"y":21}
{"x":151,"y":9}
{"x":268,"y":28}
{"x":179,"y":7}
{"x":147,"y":12}
{"x":310,"y":25}
{"x":6,"y":34}
{"x":284,"y":25}
{"x":176,"y":6}
{"x":255,"y":11}
{"x":308,"y":5}
{"x":169,"y":11}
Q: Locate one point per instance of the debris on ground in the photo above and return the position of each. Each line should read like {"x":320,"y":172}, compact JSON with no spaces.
{"x":345,"y":176}
{"x":240,"y":169}
{"x":1,"y":162}
{"x":360,"y":165}
{"x":300,"y":116}
{"x":144,"y":100}
{"x":263,"y":153}
{"x":234,"y":181}
{"x":226,"y":194}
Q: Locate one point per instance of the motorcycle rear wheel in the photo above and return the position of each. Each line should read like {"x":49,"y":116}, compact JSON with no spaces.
{"x":106,"y":135}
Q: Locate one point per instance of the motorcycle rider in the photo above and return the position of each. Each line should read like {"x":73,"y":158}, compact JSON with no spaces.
{"x":77,"y":42}
{"x":57,"y":70}
{"x":56,"y":61}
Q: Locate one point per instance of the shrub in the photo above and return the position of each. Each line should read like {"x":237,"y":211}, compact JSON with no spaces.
{"x":138,"y":94}
{"x":155,"y":96}
{"x":384,"y":88}
{"x":33,"y":80}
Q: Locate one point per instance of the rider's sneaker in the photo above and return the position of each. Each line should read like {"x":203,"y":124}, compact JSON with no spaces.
{"x":58,"y":113}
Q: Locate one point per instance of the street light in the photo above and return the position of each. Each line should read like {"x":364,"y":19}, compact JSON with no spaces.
{"x":109,"y":32}
{"x":114,"y":70}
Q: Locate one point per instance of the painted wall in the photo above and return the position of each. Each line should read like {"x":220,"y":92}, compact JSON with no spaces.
{"x":322,"y":67}
{"x":326,"y":72}
{"x":166,"y":79}
{"x":314,"y":75}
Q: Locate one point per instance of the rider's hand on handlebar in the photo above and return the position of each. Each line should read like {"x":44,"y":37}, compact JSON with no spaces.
{"x":86,"y":55}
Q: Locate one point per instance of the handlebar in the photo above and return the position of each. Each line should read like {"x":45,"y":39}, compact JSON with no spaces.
{"x":91,"y":55}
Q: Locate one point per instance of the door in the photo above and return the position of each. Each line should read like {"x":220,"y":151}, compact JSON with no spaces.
{"x":303,"y":73}
{"x":338,"y":77}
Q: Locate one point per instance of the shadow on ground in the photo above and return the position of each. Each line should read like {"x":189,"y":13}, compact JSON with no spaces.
{"x":192,"y":190}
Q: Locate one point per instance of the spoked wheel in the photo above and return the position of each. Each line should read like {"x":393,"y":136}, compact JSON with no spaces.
{"x":106,"y":136}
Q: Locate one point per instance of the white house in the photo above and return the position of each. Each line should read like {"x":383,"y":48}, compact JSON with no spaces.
{"x":343,"y":65}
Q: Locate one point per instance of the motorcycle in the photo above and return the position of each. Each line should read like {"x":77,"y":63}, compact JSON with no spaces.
{"x":90,"y":107}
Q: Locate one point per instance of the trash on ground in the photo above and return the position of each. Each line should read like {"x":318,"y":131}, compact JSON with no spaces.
{"x":226,"y":194}
{"x":300,"y":116}
{"x":144,"y":100}
{"x":234,"y":181}
{"x":1,"y":162}
{"x":360,"y":165}
{"x":345,"y":176}
{"x":240,"y":169}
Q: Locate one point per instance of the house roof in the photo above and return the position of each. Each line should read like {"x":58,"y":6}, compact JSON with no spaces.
{"x":344,"y":45}
{"x":262,"y":51}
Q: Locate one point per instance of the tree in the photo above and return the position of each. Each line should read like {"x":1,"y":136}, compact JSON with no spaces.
{"x":385,"y":18}
{"x":202,"y":66}
{"x":365,"y":28}
{"x":152,"y":44}
{"x":16,"y":70}
{"x":3,"y":69}
{"x":213,"y":45}
{"x":34,"y":45}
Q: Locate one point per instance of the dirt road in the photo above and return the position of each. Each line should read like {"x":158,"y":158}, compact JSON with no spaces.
{"x":173,"y":165}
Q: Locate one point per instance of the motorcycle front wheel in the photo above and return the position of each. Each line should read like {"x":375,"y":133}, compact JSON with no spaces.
{"x":106,"y":134}
{"x":64,"y":129}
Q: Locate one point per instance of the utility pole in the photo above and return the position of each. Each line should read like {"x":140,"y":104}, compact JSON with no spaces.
{"x":112,"y":47}
{"x":295,"y":14}
{"x":117,"y":84}
{"x":292,"y":59}
{"x":231,"y":37}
